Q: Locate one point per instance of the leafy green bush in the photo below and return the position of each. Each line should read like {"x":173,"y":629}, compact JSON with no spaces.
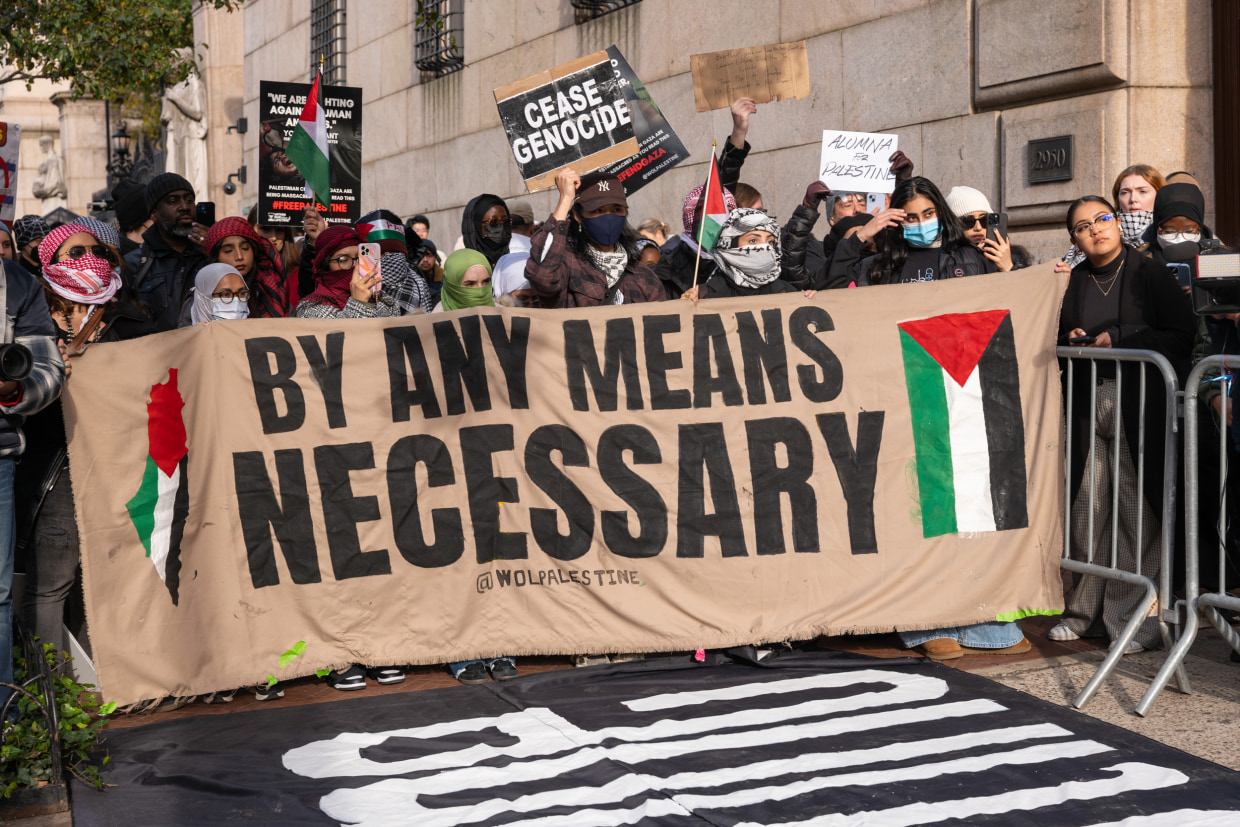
{"x":26,"y":755}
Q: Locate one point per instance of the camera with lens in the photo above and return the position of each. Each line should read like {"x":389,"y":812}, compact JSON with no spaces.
{"x":1216,"y":280}
{"x":16,"y":362}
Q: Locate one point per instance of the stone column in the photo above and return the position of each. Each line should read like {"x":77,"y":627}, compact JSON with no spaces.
{"x":84,"y":146}
{"x":223,"y":77}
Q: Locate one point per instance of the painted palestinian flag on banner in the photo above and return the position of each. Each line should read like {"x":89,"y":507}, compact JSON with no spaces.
{"x":968,"y":430}
{"x":159,"y":509}
{"x":308,"y":150}
{"x":714,"y":208}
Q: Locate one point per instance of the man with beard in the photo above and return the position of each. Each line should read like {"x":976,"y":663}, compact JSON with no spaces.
{"x":163,"y":268}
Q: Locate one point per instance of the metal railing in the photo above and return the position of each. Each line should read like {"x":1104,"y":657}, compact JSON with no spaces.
{"x":1197,"y":603}
{"x":1158,"y":593}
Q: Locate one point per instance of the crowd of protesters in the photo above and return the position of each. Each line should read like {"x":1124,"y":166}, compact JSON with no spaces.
{"x":68,"y":286}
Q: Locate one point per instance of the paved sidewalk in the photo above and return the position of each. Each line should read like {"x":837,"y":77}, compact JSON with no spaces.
{"x":1205,"y":723}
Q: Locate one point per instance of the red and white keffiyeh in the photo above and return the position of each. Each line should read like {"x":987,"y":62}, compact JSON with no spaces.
{"x":87,"y":280}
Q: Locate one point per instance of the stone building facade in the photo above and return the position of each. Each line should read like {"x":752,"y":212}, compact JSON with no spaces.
{"x":966,"y":84}
{"x":78,"y":136}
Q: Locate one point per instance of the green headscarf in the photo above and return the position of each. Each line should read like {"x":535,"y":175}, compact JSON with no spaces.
{"x":455,"y":296}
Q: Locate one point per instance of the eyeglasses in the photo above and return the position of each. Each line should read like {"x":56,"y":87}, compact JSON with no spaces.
{"x":852,"y":199}
{"x":971,"y":221}
{"x":77,"y":251}
{"x":343,"y":262}
{"x":498,"y":222}
{"x":1102,"y":222}
{"x":227,"y":296}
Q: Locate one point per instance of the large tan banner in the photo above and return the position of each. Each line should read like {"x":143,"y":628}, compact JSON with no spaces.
{"x":645,"y":478}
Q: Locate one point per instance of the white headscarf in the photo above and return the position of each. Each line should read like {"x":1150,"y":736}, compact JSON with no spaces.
{"x":205,"y":282}
{"x":752,"y":265}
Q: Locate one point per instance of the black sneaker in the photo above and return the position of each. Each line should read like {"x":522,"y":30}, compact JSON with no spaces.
{"x":473,"y":674}
{"x":385,"y":674}
{"x":1235,"y":656}
{"x":352,"y":678}
{"x":263,"y":692}
{"x":503,"y":670}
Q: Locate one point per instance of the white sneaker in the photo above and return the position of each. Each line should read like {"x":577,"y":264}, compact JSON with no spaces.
{"x":1134,"y":648}
{"x":1061,"y":632}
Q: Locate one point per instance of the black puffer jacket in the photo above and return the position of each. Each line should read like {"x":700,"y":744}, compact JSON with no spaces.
{"x":799,"y":268}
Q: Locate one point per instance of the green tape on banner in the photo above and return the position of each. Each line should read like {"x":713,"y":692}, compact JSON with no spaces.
{"x":1019,"y":613}
{"x":295,"y":651}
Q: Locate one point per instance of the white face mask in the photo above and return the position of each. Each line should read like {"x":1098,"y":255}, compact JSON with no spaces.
{"x":235,"y":309}
{"x":1178,"y":238}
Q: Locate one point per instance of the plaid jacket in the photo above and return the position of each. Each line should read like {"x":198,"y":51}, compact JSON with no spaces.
{"x":28,"y":322}
{"x":564,"y":278}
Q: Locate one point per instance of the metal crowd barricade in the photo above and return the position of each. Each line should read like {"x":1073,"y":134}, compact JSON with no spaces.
{"x":1156,"y":594}
{"x":1197,"y":603}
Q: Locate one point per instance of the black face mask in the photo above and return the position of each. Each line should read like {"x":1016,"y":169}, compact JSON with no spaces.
{"x":496,"y":237}
{"x":1184,"y":251}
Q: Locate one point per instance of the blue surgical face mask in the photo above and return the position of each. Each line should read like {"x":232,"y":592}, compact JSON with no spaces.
{"x":605,"y":229}
{"x":923,"y":234}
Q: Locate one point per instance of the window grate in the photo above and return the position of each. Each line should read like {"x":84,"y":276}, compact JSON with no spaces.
{"x":587,"y":10}
{"x":439,"y":36}
{"x":327,"y":20}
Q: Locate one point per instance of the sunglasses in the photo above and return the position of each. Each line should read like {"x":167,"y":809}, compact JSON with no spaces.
{"x":101,"y":251}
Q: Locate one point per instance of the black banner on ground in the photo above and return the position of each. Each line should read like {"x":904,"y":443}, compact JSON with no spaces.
{"x":660,"y":148}
{"x":281,"y":188}
{"x":805,"y":739}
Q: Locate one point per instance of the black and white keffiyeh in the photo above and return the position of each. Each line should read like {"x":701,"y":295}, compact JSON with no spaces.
{"x":751,"y":265}
{"x":611,"y":264}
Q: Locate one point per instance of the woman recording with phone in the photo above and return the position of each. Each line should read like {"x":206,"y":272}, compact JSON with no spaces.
{"x":340,"y":291}
{"x":918,"y":238}
{"x":1117,"y":298}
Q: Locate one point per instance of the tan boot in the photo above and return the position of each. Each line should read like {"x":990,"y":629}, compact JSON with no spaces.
{"x":941,"y":648}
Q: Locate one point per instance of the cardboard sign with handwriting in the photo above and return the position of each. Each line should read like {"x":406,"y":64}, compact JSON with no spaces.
{"x":779,"y":71}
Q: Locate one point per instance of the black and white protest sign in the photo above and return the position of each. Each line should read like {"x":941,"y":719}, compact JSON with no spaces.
{"x":281,"y":188}
{"x":660,"y":148}
{"x":857,"y":161}
{"x":573,"y":115}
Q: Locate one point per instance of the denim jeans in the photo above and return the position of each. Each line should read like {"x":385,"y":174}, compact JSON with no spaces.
{"x":458,"y":666}
{"x":51,"y":565}
{"x":8,"y":536}
{"x":993,"y":635}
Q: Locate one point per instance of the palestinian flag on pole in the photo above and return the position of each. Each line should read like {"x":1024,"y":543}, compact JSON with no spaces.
{"x":159,"y":509}
{"x":968,"y":430}
{"x":714,"y":209}
{"x":307,"y":149}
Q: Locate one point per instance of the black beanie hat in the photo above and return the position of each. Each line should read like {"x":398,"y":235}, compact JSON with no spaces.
{"x":130,"y":208}
{"x":1184,"y":200}
{"x":161,"y":185}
